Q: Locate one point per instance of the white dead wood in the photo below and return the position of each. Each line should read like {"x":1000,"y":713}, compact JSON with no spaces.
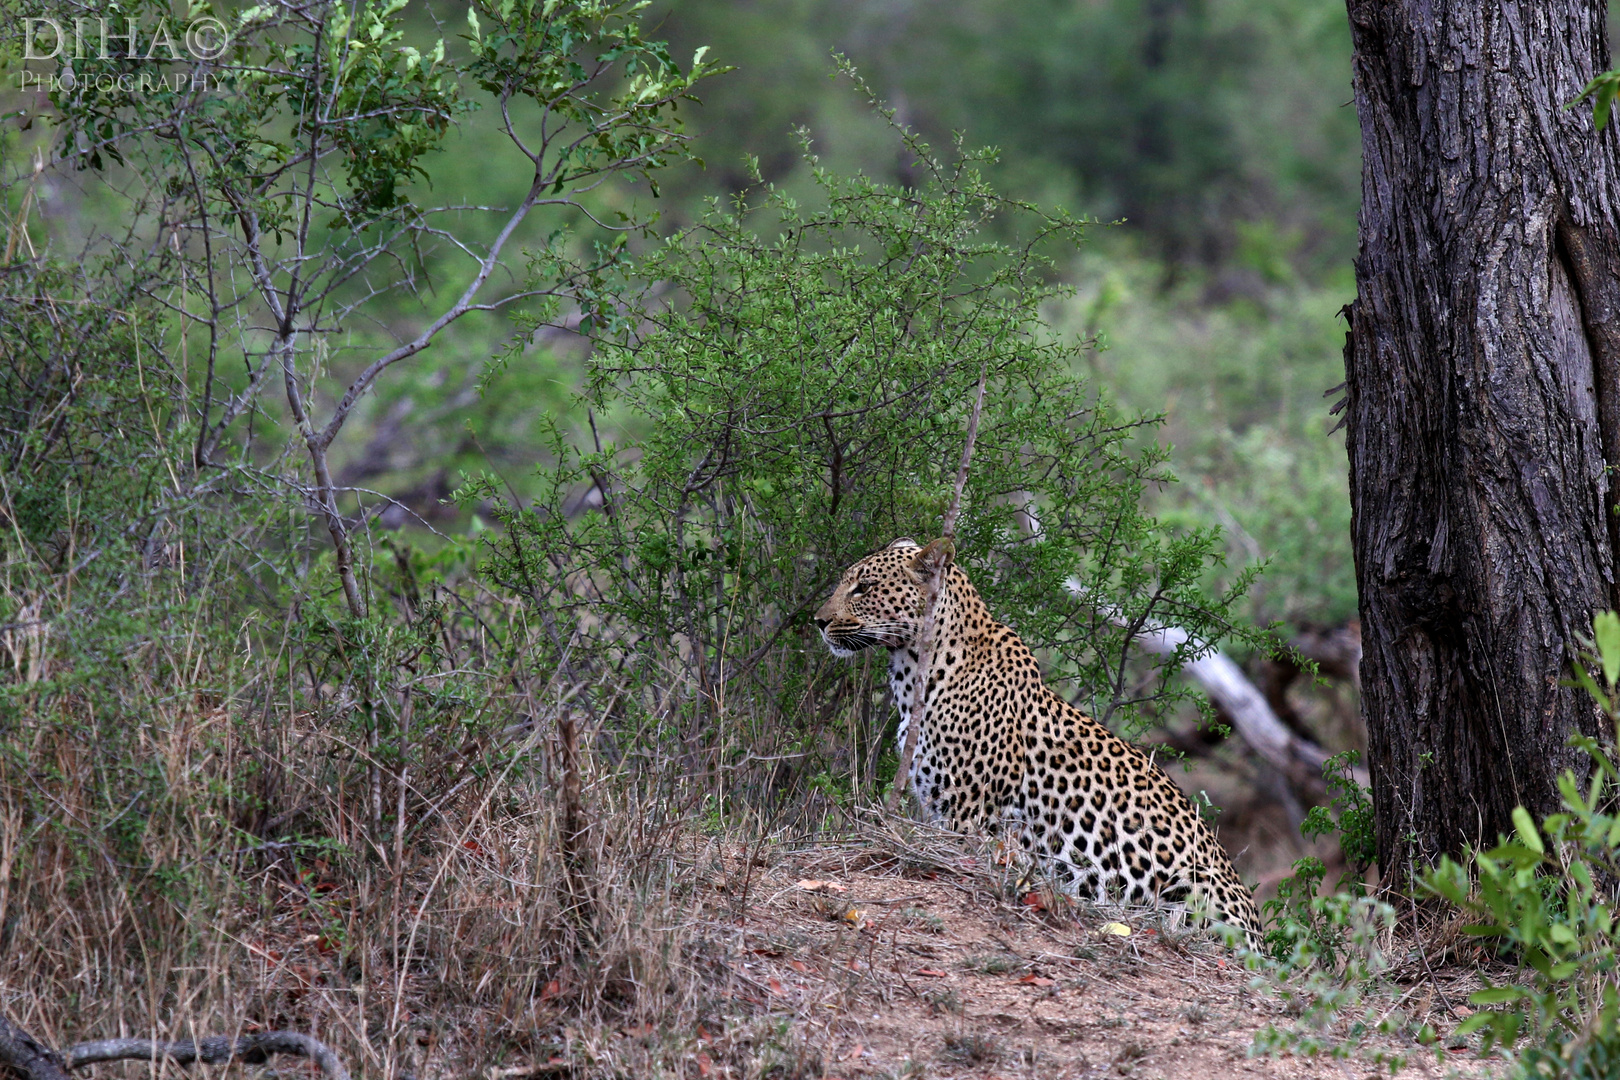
{"x":254,"y":1049}
{"x":1225,"y":684}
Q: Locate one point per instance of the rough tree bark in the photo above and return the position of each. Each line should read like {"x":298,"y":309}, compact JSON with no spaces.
{"x":1483,"y":383}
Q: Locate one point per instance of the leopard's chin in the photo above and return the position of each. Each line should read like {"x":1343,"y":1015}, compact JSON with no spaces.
{"x":846,"y":646}
{"x":837,"y":649}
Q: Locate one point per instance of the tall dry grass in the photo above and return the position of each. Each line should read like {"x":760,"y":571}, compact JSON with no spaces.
{"x":222,"y":829}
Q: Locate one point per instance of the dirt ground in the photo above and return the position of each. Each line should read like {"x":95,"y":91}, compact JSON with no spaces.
{"x":891,"y":970}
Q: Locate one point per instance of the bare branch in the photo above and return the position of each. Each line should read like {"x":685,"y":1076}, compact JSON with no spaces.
{"x":936,"y":569}
{"x":463,"y":304}
{"x":28,"y":1056}
{"x":948,"y":526}
{"x":252,"y":1049}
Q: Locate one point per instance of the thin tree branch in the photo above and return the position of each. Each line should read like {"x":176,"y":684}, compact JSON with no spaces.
{"x":363,"y":381}
{"x":932,"y":585}
{"x":252,"y":1049}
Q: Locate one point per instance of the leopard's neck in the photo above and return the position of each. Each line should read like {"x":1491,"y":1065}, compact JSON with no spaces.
{"x":961,"y":619}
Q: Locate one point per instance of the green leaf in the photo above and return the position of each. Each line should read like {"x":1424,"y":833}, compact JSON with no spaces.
{"x":1583,"y":679}
{"x":1526,"y":828}
{"x":1606,"y":624}
{"x":1498,"y":995}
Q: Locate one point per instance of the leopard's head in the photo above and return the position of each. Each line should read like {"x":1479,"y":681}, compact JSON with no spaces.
{"x":879,"y":600}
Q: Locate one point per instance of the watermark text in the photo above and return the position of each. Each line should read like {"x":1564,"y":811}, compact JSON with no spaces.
{"x":146,"y":82}
{"x":45,"y":38}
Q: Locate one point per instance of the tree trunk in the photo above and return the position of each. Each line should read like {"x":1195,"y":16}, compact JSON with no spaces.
{"x":1483,"y":378}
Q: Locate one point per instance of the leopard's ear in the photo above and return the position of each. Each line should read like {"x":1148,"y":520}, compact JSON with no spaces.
{"x":903,"y":542}
{"x":930,"y":561}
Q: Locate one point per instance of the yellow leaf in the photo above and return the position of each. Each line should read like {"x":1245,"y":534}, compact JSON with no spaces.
{"x":1118,"y":929}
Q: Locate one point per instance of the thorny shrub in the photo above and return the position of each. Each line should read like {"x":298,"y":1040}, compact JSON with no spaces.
{"x":795,"y":388}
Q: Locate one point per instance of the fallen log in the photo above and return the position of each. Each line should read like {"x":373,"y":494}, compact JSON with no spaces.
{"x":27,"y":1055}
{"x":35,"y":1061}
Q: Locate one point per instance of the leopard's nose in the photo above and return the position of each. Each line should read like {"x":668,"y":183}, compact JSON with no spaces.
{"x":821,"y":624}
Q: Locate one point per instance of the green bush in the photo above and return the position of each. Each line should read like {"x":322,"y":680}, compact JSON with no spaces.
{"x":1546,"y":897}
{"x":800,"y":391}
{"x":1299,"y":915}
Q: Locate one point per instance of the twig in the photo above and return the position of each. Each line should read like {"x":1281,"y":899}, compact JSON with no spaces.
{"x":935,"y":562}
{"x":252,"y":1049}
{"x":948,"y":526}
{"x":575,"y":836}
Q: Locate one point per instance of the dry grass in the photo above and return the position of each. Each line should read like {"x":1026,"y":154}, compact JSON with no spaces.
{"x":868,"y":946}
{"x":458,"y":956}
{"x":203,"y":846}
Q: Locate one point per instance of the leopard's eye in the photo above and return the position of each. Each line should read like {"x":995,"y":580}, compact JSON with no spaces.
{"x":860,"y":587}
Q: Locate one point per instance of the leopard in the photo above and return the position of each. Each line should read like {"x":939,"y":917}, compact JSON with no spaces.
{"x":998,"y":747}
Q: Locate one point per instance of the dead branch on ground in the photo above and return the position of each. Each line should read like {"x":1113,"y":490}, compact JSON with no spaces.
{"x":28,"y":1056}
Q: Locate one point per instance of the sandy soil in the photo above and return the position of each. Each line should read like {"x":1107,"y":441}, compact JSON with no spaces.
{"x":892,"y":971}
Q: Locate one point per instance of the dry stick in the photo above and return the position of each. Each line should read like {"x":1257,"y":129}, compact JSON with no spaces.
{"x":932,"y":586}
{"x":28,"y":1056}
{"x":575,"y":835}
{"x":249,"y":1049}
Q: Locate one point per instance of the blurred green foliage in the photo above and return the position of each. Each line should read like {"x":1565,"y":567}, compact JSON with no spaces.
{"x":1190,"y":118}
{"x":1243,"y":385}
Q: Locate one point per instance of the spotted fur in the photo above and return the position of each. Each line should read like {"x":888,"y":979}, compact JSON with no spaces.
{"x":997,"y":743}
